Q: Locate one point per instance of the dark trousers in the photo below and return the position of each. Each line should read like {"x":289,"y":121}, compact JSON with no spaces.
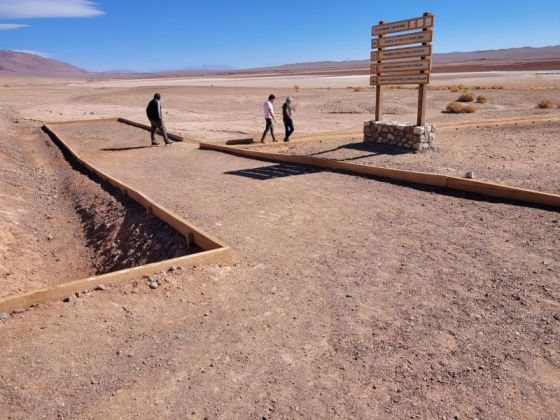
{"x":158,"y":125}
{"x":289,"y":126}
{"x":269,"y":127}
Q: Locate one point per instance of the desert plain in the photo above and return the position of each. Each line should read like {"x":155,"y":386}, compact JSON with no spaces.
{"x":349,"y":297}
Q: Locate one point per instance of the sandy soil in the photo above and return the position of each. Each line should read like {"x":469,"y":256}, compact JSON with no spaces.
{"x":349,"y":298}
{"x":524,"y":156}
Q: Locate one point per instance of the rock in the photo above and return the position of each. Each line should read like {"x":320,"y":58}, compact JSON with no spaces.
{"x":153,"y":285}
{"x":469,"y":175}
{"x":101,"y":287}
{"x":18,"y":311}
{"x":135,"y":290}
{"x":4,"y":315}
{"x":50,"y":238}
{"x":71,"y":298}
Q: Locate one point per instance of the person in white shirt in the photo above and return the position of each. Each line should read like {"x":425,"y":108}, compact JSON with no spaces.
{"x":269,"y":118}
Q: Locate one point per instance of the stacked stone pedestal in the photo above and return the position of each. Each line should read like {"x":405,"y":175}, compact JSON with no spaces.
{"x":419,"y":138}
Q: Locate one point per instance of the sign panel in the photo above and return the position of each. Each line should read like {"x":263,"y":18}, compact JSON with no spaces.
{"x":398,"y":53}
{"x":403,"y":25}
{"x":401,"y":66}
{"x":400,"y":79}
{"x":393,"y":41}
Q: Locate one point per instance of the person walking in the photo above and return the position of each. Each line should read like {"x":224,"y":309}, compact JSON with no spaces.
{"x":269,"y":118}
{"x":156,"y":120}
{"x":288,"y":120}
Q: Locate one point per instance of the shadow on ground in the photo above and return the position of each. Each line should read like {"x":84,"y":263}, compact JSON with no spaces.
{"x":275,"y":171}
{"x":122,"y":149}
{"x":371,"y":149}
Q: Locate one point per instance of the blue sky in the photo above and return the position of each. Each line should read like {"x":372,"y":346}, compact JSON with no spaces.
{"x":161,"y":34}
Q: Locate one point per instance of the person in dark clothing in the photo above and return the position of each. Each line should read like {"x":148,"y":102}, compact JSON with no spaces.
{"x":288,"y":120}
{"x":269,"y":118}
{"x":153,"y":111}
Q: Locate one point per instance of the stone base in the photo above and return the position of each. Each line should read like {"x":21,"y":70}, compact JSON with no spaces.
{"x":413,"y":137}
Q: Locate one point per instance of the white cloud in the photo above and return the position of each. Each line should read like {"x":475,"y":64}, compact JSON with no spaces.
{"x":40,"y":54}
{"x":11,"y":26}
{"x":26,"y":9}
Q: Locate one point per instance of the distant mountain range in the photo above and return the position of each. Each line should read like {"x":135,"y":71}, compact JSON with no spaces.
{"x":527,"y":58}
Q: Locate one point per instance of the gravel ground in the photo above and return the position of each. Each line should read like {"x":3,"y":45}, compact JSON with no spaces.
{"x":349,"y":298}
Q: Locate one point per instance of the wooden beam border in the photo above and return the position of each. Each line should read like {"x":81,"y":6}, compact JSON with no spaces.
{"x":423,"y":178}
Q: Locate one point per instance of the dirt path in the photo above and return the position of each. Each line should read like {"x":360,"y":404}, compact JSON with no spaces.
{"x":349,"y":298}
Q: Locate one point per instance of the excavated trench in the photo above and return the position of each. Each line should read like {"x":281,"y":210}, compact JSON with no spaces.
{"x":118,"y":231}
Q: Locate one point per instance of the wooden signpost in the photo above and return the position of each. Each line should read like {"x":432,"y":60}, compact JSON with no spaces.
{"x":393,"y":66}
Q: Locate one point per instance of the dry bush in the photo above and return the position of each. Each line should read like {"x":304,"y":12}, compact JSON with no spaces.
{"x":466,"y":97}
{"x":459,"y":108}
{"x":497,"y":87}
{"x":481,"y":99}
{"x":358,"y":89}
{"x":546,"y":104}
{"x":296,"y":88}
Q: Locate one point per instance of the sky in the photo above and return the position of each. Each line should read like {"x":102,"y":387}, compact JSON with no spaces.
{"x":144,"y":35}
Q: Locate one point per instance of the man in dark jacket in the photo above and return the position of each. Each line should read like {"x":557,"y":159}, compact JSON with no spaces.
{"x":154,"y":115}
{"x":288,"y":120}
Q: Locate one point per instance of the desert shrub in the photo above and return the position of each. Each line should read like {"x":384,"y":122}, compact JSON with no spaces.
{"x":546,"y":104}
{"x":466,"y":97}
{"x":481,"y":99}
{"x":296,"y":88}
{"x":358,"y":89}
{"x":459,"y":108}
{"x":497,"y":87}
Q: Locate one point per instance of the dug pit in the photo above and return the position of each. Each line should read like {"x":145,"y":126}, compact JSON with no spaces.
{"x":74,"y":224}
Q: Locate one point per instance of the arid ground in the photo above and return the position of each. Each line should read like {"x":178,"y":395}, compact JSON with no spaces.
{"x":349,"y":297}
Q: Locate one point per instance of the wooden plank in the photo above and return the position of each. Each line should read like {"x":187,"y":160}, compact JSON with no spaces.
{"x":424,"y":178}
{"x":60,"y":291}
{"x":394,"y":41}
{"x":398,"y":53}
{"x":400,"y":79}
{"x":403,"y":25}
{"x":401,"y":66}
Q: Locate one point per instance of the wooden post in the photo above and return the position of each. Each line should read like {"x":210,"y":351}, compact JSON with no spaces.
{"x":378,"y":87}
{"x":422,"y":91}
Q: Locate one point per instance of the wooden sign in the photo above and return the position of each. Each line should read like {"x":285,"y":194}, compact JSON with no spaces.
{"x":391,"y":67}
{"x":403,"y":25}
{"x":401,"y":79}
{"x":398,"y":53}
{"x":401,"y":66}
{"x":394,"y":41}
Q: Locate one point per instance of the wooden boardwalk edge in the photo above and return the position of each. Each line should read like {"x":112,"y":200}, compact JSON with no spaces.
{"x":423,"y":178}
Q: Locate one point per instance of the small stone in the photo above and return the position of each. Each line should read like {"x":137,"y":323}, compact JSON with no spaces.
{"x":4,"y":315}
{"x":153,"y":285}
{"x":469,"y":175}
{"x":50,"y":238}
{"x":71,"y":298}
{"x":18,"y":311}
{"x":101,"y":287}
{"x":135,"y":290}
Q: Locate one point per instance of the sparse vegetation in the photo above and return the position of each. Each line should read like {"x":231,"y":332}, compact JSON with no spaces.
{"x":459,"y":108}
{"x":358,"y":89}
{"x":466,"y":97}
{"x":481,"y":99}
{"x":457,"y":88}
{"x":296,"y":88}
{"x":546,"y":104}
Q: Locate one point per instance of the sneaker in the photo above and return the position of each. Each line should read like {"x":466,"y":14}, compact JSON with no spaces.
{"x":169,"y":143}
{"x":155,"y":143}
